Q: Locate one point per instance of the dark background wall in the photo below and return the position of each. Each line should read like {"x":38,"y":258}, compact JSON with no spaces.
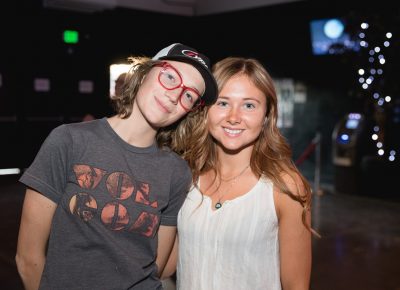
{"x":279,"y":36}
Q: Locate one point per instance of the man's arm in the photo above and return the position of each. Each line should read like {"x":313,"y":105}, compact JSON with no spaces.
{"x":170,"y":267}
{"x":37,"y":214}
{"x":166,"y":239}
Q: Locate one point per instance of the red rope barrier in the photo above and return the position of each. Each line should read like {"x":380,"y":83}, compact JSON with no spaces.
{"x":310,"y":148}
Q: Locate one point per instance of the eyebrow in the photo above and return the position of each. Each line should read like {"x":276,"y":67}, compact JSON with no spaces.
{"x":245,"y":99}
{"x":193,"y":87}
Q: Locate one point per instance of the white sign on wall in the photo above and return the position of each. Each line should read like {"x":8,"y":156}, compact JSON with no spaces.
{"x":285,"y":94}
{"x":41,"y":85}
{"x":289,"y":93}
{"x":86,"y":87}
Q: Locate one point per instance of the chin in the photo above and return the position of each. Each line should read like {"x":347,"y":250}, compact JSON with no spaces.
{"x":232,"y":148}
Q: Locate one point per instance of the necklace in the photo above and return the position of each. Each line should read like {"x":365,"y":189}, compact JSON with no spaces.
{"x":234,"y":179}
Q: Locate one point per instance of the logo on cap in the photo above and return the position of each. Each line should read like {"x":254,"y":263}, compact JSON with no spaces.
{"x":194,"y":55}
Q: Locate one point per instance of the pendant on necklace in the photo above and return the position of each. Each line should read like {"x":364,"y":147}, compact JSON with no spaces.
{"x":218,"y":205}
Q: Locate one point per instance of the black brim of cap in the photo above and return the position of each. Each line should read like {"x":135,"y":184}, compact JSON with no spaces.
{"x":211,"y":92}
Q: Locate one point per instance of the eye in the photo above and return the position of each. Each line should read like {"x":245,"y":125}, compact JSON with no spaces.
{"x":249,"y":106}
{"x":221,"y":103}
{"x":170,"y":77}
{"x":189,"y":96}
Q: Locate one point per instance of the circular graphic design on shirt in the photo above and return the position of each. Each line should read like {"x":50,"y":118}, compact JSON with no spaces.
{"x":115,"y":216}
{"x":87,"y":176}
{"x":83,"y":205}
{"x":120,"y":185}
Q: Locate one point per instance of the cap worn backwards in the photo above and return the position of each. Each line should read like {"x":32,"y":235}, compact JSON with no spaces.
{"x":184,"y":53}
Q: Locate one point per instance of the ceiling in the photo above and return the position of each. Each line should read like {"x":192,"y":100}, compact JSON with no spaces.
{"x":177,"y":7}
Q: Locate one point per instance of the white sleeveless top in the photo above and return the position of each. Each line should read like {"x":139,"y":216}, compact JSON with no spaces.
{"x":235,"y":247}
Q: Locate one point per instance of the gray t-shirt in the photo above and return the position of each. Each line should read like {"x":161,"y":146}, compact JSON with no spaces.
{"x":111,"y":199}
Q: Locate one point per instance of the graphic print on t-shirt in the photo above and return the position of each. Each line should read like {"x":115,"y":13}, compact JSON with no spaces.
{"x":114,"y":215}
{"x":83,"y":205}
{"x":146,"y":224}
{"x":143,"y":195}
{"x":87,"y":176}
{"x":120,"y":185}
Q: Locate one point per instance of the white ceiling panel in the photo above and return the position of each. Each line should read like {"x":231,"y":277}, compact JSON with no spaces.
{"x":178,"y":7}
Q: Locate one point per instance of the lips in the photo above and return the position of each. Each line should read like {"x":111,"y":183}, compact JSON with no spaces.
{"x":233,"y":132}
{"x":162,"y":106}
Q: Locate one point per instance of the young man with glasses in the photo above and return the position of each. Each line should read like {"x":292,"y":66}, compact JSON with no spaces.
{"x":102,"y":198}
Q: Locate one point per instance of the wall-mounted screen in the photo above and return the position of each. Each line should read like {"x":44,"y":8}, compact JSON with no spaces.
{"x":331,"y":37}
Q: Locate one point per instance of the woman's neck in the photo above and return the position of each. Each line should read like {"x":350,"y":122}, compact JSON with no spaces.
{"x":232,"y":163}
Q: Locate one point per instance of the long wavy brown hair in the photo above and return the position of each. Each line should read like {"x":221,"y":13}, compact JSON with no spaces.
{"x":271,"y":156}
{"x":140,"y":67}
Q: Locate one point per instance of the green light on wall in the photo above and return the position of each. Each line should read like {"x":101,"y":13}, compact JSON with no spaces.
{"x":71,"y":36}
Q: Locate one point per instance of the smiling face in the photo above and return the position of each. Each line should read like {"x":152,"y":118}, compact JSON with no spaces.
{"x":236,"y":119}
{"x":160,"y":106}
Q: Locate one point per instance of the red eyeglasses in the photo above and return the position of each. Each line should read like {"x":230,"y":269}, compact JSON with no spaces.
{"x":170,"y":79}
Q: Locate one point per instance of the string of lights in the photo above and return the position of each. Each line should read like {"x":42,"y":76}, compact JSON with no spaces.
{"x":371,"y":77}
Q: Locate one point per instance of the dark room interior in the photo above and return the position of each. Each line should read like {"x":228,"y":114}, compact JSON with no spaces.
{"x":356,"y":199}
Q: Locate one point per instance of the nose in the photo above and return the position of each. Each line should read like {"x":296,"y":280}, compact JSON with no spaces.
{"x":174,"y":95}
{"x":233,"y":116}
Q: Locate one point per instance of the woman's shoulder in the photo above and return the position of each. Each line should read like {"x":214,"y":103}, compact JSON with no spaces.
{"x":293,"y":180}
{"x":295,"y":184}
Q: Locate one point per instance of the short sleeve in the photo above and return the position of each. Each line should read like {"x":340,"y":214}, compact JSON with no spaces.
{"x":48,"y":172}
{"x":181,"y":181}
